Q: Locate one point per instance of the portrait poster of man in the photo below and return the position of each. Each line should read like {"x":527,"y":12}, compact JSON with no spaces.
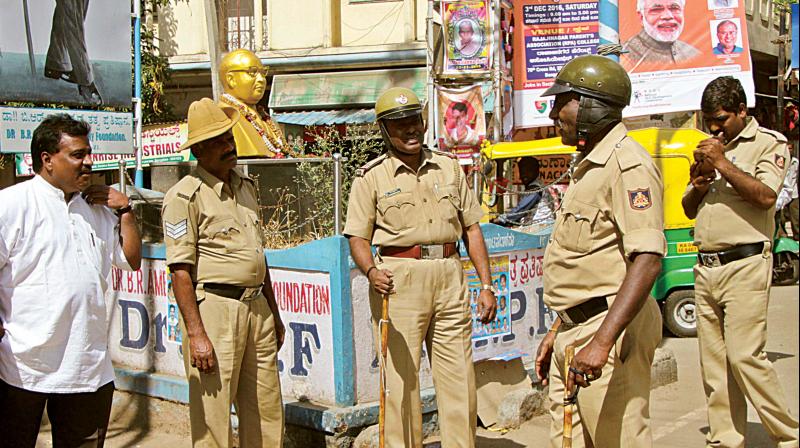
{"x":467,"y":37}
{"x":462,"y":125}
{"x":72,"y":52}
{"x":671,"y":43}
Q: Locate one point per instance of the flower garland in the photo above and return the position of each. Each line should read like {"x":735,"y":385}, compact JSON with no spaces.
{"x":272,"y":137}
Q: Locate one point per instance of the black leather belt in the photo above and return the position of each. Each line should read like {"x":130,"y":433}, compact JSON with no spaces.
{"x":231,"y":291}
{"x":716,"y":259}
{"x":579,"y":314}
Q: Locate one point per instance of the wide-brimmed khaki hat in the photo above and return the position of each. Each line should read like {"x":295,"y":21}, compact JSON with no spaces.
{"x":207,"y":120}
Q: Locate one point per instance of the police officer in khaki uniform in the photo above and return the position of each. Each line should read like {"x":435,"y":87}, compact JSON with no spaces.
{"x":414,"y":205}
{"x":230,"y":321}
{"x":734,"y":185}
{"x":603,"y":257}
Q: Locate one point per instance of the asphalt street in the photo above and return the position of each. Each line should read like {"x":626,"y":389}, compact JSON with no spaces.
{"x":678,"y":410}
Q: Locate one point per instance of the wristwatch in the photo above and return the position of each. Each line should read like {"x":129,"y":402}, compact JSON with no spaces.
{"x":491,"y":288}
{"x":121,"y":211}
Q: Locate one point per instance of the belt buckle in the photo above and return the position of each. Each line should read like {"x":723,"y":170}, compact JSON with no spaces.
{"x":431,"y":251}
{"x":565,"y":318}
{"x":250,"y":293}
{"x":710,"y":260}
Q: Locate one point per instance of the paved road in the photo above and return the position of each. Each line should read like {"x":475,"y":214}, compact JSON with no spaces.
{"x":678,"y":410}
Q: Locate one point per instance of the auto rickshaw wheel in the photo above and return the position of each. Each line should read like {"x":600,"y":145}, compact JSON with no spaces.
{"x":785,"y":269}
{"x":680,"y":316}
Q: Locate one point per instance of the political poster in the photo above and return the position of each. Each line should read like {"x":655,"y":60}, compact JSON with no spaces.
{"x":501,"y":325}
{"x":671,"y":58}
{"x":467,"y":37}
{"x":547,"y":34}
{"x":74,"y":52}
{"x":462,"y":124}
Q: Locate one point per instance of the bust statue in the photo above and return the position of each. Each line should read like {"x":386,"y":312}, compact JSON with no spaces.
{"x":244,"y":81}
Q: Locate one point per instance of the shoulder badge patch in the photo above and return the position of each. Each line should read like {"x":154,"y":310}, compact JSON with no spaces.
{"x":640,"y":199}
{"x":780,"y":161}
{"x":177,"y":230}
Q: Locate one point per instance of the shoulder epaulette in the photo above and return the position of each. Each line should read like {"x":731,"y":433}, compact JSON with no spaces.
{"x":187,"y":186}
{"x":443,"y":153}
{"x":370,"y":165}
{"x":627,"y":156}
{"x":778,"y":136}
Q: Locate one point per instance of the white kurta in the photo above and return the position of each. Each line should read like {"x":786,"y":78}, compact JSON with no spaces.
{"x":55,"y":261}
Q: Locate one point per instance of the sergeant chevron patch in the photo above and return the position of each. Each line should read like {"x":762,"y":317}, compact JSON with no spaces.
{"x":176,"y":230}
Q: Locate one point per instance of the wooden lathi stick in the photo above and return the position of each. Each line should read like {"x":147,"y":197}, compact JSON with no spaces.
{"x":384,"y":327}
{"x":566,"y":440}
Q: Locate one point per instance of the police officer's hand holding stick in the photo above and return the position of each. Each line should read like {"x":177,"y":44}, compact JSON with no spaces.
{"x":201,"y":351}
{"x":380,"y":280}
{"x":588,"y":363}
{"x":569,"y":399}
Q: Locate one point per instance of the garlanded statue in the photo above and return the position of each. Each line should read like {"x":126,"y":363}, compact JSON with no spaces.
{"x":244,"y":80}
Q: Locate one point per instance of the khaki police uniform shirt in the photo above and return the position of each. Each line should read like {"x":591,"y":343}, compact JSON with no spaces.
{"x":215,"y":228}
{"x":391,"y":205}
{"x":724,"y":218}
{"x":612,"y":209}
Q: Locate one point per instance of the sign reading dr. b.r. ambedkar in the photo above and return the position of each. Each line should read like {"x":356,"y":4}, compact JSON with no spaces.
{"x":66,"y":52}
{"x":112,"y":132}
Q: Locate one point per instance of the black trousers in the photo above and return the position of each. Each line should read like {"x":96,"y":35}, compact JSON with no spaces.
{"x":76,"y":420}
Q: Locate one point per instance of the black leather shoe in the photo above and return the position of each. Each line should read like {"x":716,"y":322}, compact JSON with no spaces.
{"x":90,"y":94}
{"x":58,"y":74}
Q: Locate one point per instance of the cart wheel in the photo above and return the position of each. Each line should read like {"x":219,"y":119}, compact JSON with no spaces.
{"x":785,"y":269}
{"x":679,"y":314}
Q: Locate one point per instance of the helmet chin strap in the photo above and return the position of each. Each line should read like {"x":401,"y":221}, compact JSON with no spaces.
{"x":594,"y":116}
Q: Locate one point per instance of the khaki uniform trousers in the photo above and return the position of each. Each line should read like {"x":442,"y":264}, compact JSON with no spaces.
{"x":614,"y":412}
{"x":732,"y":303}
{"x":429,"y":306}
{"x":243,"y":335}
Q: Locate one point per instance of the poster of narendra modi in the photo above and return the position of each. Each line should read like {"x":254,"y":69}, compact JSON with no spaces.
{"x":673,"y":48}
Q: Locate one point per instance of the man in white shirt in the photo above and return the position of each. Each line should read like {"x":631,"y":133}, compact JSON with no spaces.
{"x":56,"y":252}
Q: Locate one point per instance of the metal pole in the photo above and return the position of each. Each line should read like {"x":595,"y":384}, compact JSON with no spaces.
{"x":123,"y":184}
{"x":214,"y":48}
{"x":781,"y":66}
{"x":430,"y":133}
{"x":30,"y":39}
{"x":609,"y":24}
{"x":498,"y":85}
{"x":137,"y":100}
{"x":337,"y":194}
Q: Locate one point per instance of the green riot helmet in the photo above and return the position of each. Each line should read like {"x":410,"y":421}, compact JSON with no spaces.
{"x":397,"y":102}
{"x":394,"y":104}
{"x":594,"y":76}
{"x":604,"y":89}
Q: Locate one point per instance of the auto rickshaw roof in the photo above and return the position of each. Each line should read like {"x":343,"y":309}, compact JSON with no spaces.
{"x":657,"y":141}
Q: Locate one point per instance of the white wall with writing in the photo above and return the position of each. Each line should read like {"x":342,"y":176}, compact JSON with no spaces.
{"x":305,"y":362}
